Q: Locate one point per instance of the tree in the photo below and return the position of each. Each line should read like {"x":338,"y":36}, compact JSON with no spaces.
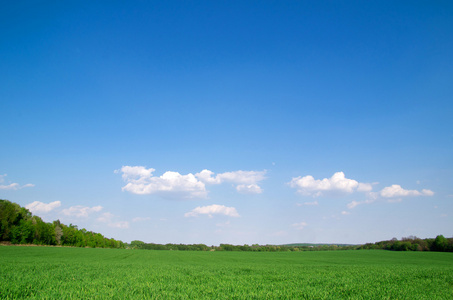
{"x":440,"y":243}
{"x":137,"y":244}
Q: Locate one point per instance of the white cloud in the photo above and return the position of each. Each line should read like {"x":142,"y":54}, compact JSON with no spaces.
{"x":40,"y":207}
{"x":426,"y":192}
{"x":396,"y":190}
{"x":242,"y":177}
{"x":392,"y":193}
{"x":299,"y":226}
{"x":249,"y":189}
{"x":140,"y":219}
{"x":81,"y":211}
{"x":141,"y":181}
{"x":345,"y":212}
{"x":214,"y":209}
{"x":309,"y":186}
{"x":135,"y":172}
{"x":12,"y":186}
{"x":206,"y":177}
{"x":247,"y":181}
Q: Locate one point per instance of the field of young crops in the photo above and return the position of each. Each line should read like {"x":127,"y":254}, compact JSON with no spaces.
{"x":59,"y":273}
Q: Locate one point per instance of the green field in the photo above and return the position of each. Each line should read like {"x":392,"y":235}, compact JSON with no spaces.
{"x":58,"y":273}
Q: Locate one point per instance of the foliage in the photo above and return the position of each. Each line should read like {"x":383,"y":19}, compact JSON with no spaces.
{"x":413,"y":243}
{"x":75,"y":273}
{"x":19,"y":226}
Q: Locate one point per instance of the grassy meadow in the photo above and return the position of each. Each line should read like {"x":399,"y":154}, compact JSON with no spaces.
{"x":63,"y":273}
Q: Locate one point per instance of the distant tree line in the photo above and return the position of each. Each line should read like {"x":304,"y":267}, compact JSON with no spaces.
{"x":440,"y":243}
{"x":228,"y":247}
{"x":19,"y":226}
{"x":413,"y":243}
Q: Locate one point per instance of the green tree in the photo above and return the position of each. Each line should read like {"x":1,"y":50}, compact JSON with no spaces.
{"x":137,"y":244}
{"x":440,"y":243}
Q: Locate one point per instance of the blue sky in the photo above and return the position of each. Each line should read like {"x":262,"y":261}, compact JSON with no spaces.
{"x":230,"y":122}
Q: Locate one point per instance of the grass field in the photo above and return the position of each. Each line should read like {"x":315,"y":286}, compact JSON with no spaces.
{"x":59,"y":273}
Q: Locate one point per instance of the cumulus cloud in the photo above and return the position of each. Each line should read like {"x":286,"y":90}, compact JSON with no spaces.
{"x":247,"y":181}
{"x":214,"y":209}
{"x":81,"y":211}
{"x":140,"y":180}
{"x":40,"y":207}
{"x":308,"y":186}
{"x":299,"y":226}
{"x":396,"y":190}
{"x":206,"y":177}
{"x":12,"y":186}
{"x":426,"y":192}
{"x":249,"y":189}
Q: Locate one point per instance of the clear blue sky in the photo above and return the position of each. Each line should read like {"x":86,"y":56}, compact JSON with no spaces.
{"x":230,"y":121}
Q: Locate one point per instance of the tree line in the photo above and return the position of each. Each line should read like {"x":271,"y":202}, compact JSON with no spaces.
{"x":413,"y":243}
{"x":229,"y":247}
{"x":19,"y":226}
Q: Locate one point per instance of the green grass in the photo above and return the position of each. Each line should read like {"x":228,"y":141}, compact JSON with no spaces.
{"x":59,"y":273}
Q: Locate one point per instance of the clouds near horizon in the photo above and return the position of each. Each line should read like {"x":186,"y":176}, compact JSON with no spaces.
{"x":214,"y":209}
{"x":81,"y":211}
{"x":12,"y":186}
{"x":40,"y":207}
